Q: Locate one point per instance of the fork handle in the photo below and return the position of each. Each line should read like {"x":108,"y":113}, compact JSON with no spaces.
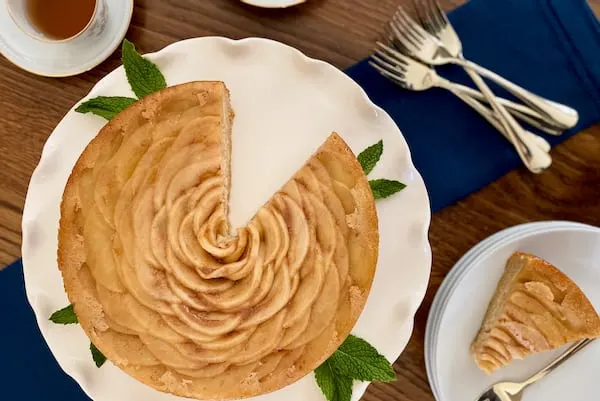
{"x":578,"y":346}
{"x":519,"y":110}
{"x":564,"y":116}
{"x":529,"y":137}
{"x":535,"y":159}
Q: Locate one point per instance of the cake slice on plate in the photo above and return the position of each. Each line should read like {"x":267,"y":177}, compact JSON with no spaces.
{"x":536,"y":308}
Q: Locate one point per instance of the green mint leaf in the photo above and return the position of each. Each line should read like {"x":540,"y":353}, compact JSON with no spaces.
{"x":64,"y":316}
{"x":333,"y":386}
{"x":143,"y":75}
{"x":357,"y":359}
{"x":369,"y":157}
{"x":98,"y":356}
{"x":105,"y":106}
{"x":383,"y":188}
{"x":326,"y":380}
{"x":343,"y":389}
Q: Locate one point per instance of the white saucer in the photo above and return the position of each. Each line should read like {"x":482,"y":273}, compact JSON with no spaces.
{"x":462,"y":300}
{"x":66,"y":58}
{"x":273,"y":3}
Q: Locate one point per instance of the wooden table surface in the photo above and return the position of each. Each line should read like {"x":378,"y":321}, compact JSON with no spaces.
{"x":341,"y":32}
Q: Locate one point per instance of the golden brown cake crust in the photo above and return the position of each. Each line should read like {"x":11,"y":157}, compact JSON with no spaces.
{"x":135,"y":319}
{"x":535,"y":308}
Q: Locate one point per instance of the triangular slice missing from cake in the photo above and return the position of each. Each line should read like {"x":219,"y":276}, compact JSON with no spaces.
{"x":536,"y":308}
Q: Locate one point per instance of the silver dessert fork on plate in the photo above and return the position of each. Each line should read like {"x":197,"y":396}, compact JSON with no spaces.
{"x":513,"y":391}
{"x":413,"y":75}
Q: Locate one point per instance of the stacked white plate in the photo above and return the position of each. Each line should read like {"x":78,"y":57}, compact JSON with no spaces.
{"x":461,"y":302}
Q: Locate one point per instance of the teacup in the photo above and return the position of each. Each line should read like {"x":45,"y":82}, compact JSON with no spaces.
{"x":18,"y":10}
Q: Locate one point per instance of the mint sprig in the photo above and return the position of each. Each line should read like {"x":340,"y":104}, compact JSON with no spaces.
{"x":97,"y":355}
{"x":369,"y":157}
{"x":355,"y":359}
{"x":383,"y":188}
{"x":359,"y":360}
{"x":65,"y":315}
{"x":333,"y":386}
{"x":105,"y":106}
{"x":143,"y":75}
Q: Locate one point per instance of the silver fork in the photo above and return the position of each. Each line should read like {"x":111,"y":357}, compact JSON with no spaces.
{"x":513,"y":391}
{"x":520,"y":111}
{"x":413,"y":75}
{"x":559,"y":114}
{"x":435,"y":21}
{"x":427,"y":48}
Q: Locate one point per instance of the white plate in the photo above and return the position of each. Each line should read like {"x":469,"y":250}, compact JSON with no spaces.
{"x":453,"y":280}
{"x":273,"y":3}
{"x":286,"y":105}
{"x":63,"y":59}
{"x":461,"y":303}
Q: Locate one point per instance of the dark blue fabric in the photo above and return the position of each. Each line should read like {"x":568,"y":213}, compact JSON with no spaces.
{"x":28,"y":371}
{"x":551,"y":47}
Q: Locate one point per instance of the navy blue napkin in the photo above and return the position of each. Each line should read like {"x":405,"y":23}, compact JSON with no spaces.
{"x":28,"y":371}
{"x":551,"y":47}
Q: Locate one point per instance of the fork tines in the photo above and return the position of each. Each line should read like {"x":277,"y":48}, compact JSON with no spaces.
{"x":434,"y":18}
{"x":392,"y":64}
{"x":391,"y":54}
{"x":404,"y":26}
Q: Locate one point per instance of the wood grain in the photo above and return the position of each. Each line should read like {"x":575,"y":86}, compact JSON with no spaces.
{"x":341,"y":32}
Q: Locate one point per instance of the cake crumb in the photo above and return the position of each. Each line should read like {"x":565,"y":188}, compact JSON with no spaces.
{"x":352,"y":219}
{"x":167,"y":378}
{"x":203,"y":98}
{"x":171,"y":381}
{"x":98,"y":321}
{"x":251,"y":380}
{"x":291,"y":371}
{"x":334,"y":342}
{"x":100,"y":324}
{"x":124,"y":362}
{"x":356,"y":298}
